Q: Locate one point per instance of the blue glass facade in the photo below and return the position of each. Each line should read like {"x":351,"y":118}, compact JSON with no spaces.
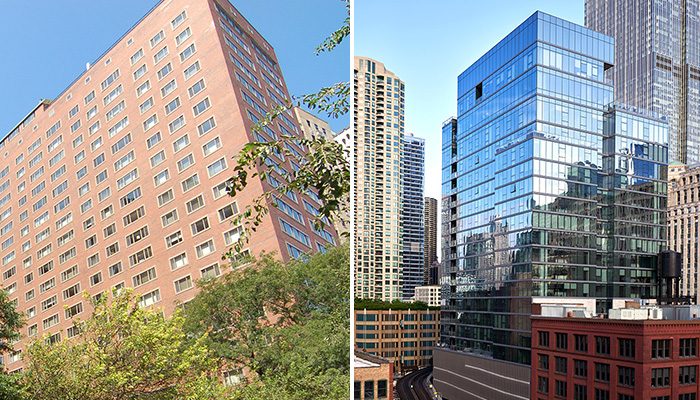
{"x":530,"y":195}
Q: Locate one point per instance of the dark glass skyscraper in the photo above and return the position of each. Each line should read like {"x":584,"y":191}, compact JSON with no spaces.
{"x":549,"y":189}
{"x":412,"y":176}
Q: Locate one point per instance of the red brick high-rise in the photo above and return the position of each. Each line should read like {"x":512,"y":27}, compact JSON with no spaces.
{"x":120,"y":180}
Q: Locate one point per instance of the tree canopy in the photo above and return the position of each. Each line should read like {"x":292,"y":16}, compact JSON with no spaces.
{"x":288,"y":323}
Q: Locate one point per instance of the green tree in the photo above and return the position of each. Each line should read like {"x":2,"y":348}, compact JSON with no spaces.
{"x":10,"y":323}
{"x":123,"y":352}
{"x":324,"y":167}
{"x":287,"y":323}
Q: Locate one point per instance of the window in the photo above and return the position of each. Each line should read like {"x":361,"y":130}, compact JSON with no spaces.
{"x":687,"y":375}
{"x":660,"y":377}
{"x":188,"y":52}
{"x":169,"y":218}
{"x":176,"y":124}
{"x":183,"y":284}
{"x":660,"y":348}
{"x":160,"y":55}
{"x":172,"y":106}
{"x":216,"y":167}
{"x":161,"y":177}
{"x":109,"y":230}
{"x":206,"y":126}
{"x":626,"y":347}
{"x":153,"y":140}
{"x":560,"y":365}
{"x":136,"y":56}
{"x":110,"y":79}
{"x":560,"y":388}
{"x":96,"y":279}
{"x":123,"y":123}
{"x":168,"y":88}
{"x":115,"y":269}
{"x":93,"y":260}
{"x":201,"y":107}
{"x":232,"y":236}
{"x":196,"y":88}
{"x":150,"y":298}
{"x":181,"y":143}
{"x":543,"y":361}
{"x":107,"y":212}
{"x":178,"y":20}
{"x":130,"y":197}
{"x":185,"y":162}
{"x":127,"y":179}
{"x":182,"y":36}
{"x":688,"y":347}
{"x":221,"y":190}
{"x":602,"y":372}
{"x":74,"y":310}
{"x":178,"y":261}
{"x":112,"y":249}
{"x":166,"y":197}
{"x":580,"y":392}
{"x":157,"y":38}
{"x":580,"y":368}
{"x":150,"y":122}
{"x":50,"y":321}
{"x":124,"y":161}
{"x":190,"y":182}
{"x":140,"y":256}
{"x":112,"y":95}
{"x":625,"y":376}
{"x":71,"y":291}
{"x":89,"y":97}
{"x":195,"y":204}
{"x":143,"y":88}
{"x":211,"y":271}
{"x":137,"y":236}
{"x":200,"y":226}
{"x":48,"y":303}
{"x":146,"y":105}
{"x":163,"y":72}
{"x":211,"y":146}
{"x":227,"y":212}
{"x":140,"y":72}
{"x":581,"y":343}
{"x":602,"y":345}
{"x":144,"y":277}
{"x":191,"y":70}
{"x":173,"y":239}
{"x":686,"y":396}
{"x":205,"y":248}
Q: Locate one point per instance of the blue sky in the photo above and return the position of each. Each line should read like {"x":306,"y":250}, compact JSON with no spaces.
{"x":46,"y":44}
{"x":429,"y":43}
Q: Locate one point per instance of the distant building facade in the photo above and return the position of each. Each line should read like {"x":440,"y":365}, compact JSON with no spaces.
{"x":406,"y":337}
{"x":313,"y":126}
{"x":343,"y":225}
{"x":430,"y":238}
{"x":657,"y":63}
{"x":428,"y":294}
{"x":684,"y":224}
{"x":412,"y":217}
{"x":378,"y":139}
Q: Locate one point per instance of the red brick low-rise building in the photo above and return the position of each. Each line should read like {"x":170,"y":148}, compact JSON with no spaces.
{"x":614,"y":359}
{"x":374,"y":377}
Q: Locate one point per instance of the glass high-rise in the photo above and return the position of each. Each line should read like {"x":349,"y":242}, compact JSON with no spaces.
{"x":549,"y":188}
{"x":413,"y":166}
{"x":657,"y":62}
